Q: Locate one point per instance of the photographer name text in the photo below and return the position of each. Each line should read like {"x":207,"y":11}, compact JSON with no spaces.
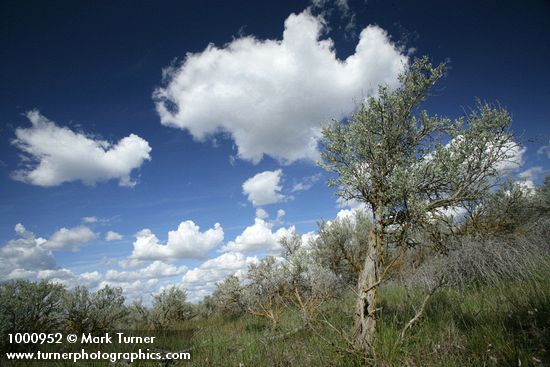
{"x":119,"y":338}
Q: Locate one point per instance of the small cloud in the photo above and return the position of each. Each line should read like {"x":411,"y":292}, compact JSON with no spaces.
{"x":261,"y":213}
{"x":127,"y":263}
{"x":306,"y":183}
{"x":113,"y":236}
{"x":264,"y":188}
{"x":258,"y":237}
{"x":89,"y":219}
{"x":74,"y":237}
{"x":544,"y":150}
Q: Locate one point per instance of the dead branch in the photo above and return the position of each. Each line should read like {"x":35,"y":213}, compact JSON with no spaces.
{"x":420,"y":311}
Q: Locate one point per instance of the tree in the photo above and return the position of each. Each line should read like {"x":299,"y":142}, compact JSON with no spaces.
{"x":503,"y":211}
{"x":409,"y":167}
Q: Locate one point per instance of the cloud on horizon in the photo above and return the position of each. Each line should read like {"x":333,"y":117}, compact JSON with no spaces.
{"x":259,"y":237}
{"x":187,"y":241}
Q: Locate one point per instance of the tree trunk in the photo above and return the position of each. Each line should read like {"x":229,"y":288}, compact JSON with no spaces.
{"x":369,"y":279}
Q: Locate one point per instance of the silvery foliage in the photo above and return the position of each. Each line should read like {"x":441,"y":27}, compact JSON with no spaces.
{"x":170,"y":306}
{"x":30,"y":307}
{"x":477,"y":260}
{"x":296,"y":279}
{"x":341,"y":245}
{"x":510,"y":208}
{"x":305,"y":275}
{"x":228,"y":297}
{"x":139,"y":315}
{"x":506,"y":238}
{"x":78,"y":309}
{"x":408,"y":166}
{"x":108,"y":308}
{"x":94,"y":312}
{"x":263,"y":294}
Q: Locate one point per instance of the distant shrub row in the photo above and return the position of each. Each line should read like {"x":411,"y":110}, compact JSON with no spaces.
{"x":505,"y":237}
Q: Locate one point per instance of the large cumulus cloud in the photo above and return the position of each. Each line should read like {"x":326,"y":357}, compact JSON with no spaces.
{"x":272,"y":96}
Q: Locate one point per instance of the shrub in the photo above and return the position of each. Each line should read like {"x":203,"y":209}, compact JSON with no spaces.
{"x":78,"y":308}
{"x":341,"y":245}
{"x":263,"y":295}
{"x":170,"y":306}
{"x":30,"y":307}
{"x":107,"y":309}
{"x":228,"y":297}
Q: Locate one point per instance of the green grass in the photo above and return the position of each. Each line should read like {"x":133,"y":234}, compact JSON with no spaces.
{"x":482,"y":326}
{"x":500,"y":325}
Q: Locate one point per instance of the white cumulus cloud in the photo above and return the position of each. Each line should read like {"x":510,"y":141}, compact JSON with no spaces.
{"x":19,"y":256}
{"x":70,"y":279}
{"x":258,"y":237}
{"x":157,"y":269}
{"x":54,"y":155}
{"x":112,"y":236}
{"x":514,"y":158}
{"x":185,"y":242}
{"x":202,"y":280}
{"x":272,"y":96}
{"x":140,"y":289}
{"x":65,"y":238}
{"x":264,"y":188}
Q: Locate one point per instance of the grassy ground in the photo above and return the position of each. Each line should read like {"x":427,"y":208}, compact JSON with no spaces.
{"x":504,"y":325}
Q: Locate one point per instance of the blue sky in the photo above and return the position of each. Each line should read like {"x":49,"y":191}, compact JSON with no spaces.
{"x":152,"y":143}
